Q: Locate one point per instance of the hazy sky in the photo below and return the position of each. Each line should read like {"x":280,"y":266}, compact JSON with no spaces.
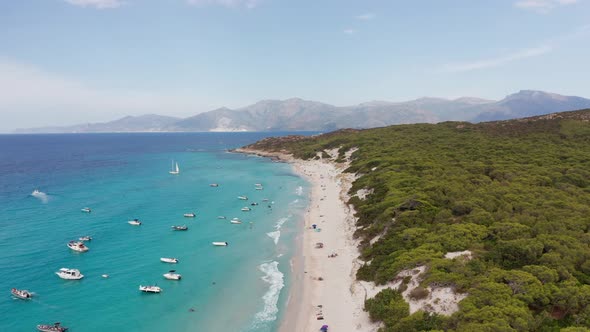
{"x":72,"y":61}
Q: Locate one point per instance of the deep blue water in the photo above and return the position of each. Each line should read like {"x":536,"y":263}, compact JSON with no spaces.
{"x":241,"y":287}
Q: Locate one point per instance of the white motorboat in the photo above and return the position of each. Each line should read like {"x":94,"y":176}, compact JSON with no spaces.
{"x":86,"y":209}
{"x":190,"y":215}
{"x":56,"y":327}
{"x":259,"y":188}
{"x":180,"y":228}
{"x":214,"y":185}
{"x":69,"y":274}
{"x":172,"y":275}
{"x":246,"y":209}
{"x":134,"y":222}
{"x":85,"y":238}
{"x":234,"y":221}
{"x":244,"y":198}
{"x":169,"y":260}
{"x":78,"y":246}
{"x":220,"y":217}
{"x":22,"y":294}
{"x":36,"y":192}
{"x":220,"y":244}
{"x":175,"y":170}
{"x":105,"y":276}
{"x":265,"y":199}
{"x":150,"y":289}
{"x":258,"y":184}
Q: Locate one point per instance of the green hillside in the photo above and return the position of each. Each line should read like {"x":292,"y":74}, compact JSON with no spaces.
{"x":516,"y":193}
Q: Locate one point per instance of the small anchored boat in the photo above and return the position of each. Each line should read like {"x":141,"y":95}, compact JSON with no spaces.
{"x":244,"y":198}
{"x":69,"y":274}
{"x":180,"y":228}
{"x":214,"y":185}
{"x":220,"y":244}
{"x":189,"y":215}
{"x":246,"y":209}
{"x":220,"y":217}
{"x":134,"y":222}
{"x":86,"y":209}
{"x":56,"y":327}
{"x":37,"y":192}
{"x":150,"y":289}
{"x":22,"y":294}
{"x":235,"y":221}
{"x":85,"y":238}
{"x":78,"y":246}
{"x":172,"y":275}
{"x":169,"y":260}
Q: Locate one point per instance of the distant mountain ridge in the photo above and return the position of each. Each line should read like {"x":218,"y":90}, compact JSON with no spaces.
{"x":296,"y":114}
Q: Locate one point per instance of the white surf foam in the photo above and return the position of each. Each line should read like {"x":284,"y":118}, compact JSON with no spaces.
{"x":274,"y":278}
{"x":299,"y":191}
{"x":274,"y":236}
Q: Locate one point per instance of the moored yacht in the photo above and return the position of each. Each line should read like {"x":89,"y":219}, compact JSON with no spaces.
{"x":78,"y":246}
{"x":69,"y":274}
{"x":220,"y":217}
{"x":244,"y":198}
{"x":214,"y":185}
{"x":169,"y":260}
{"x":189,"y":215}
{"x":86,"y":209}
{"x":56,"y":327}
{"x":85,"y":238}
{"x":22,"y":294}
{"x":134,"y":222}
{"x":246,"y":209}
{"x":180,"y":228}
{"x":150,"y":289}
{"x":172,"y":275}
{"x":235,"y":221}
{"x":220,"y":244}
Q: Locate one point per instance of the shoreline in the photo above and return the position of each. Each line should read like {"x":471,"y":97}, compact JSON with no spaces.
{"x":317,"y":279}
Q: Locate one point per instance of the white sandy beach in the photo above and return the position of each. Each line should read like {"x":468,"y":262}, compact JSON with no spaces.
{"x":340,"y":296}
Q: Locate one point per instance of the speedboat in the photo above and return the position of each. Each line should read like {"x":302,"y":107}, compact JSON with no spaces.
{"x":78,"y":246}
{"x":105,"y":276}
{"x":172,"y":275}
{"x":189,"y":215}
{"x":21,"y":294}
{"x":180,"y":228}
{"x":150,"y":289}
{"x":85,"y":238}
{"x":213,"y":185}
{"x":86,"y":209}
{"x":246,"y":209}
{"x":220,"y":244}
{"x":169,"y":260}
{"x":258,"y":184}
{"x":220,"y":217}
{"x":254,"y":204}
{"x":235,"y":221}
{"x":69,"y":274}
{"x":56,"y":327}
{"x":36,"y":192}
{"x":244,"y":198}
{"x":134,"y":222}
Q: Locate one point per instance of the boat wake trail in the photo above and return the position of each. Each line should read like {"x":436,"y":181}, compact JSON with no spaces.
{"x":274,"y":278}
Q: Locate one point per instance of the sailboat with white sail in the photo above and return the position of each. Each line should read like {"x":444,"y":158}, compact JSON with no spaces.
{"x":175,"y":170}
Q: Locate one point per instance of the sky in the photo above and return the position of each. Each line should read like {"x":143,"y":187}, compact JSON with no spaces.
{"x":66,"y":62}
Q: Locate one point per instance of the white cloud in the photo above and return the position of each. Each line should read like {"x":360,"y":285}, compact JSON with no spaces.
{"x":349,"y":31}
{"x":31,"y":97}
{"x":542,"y":6}
{"x":366,"y":16}
{"x":498,"y":61}
{"x":100,"y":4}
{"x":226,"y":3}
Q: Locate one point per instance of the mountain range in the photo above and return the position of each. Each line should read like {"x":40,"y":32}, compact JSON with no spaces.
{"x":303,"y":115}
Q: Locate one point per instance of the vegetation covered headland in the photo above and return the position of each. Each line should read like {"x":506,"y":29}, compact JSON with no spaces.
{"x":515,"y":194}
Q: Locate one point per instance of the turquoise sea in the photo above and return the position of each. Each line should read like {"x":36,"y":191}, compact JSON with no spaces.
{"x":241,"y":287}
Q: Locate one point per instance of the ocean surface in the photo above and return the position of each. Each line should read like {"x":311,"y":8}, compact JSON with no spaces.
{"x":241,"y":287}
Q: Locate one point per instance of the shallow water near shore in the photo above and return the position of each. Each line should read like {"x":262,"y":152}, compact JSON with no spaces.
{"x":241,"y":287}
